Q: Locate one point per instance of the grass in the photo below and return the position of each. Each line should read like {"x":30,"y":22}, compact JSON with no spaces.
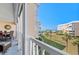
{"x":56,"y":40}
{"x":52,"y":43}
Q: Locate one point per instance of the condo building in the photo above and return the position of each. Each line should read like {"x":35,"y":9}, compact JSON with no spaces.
{"x":72,"y":28}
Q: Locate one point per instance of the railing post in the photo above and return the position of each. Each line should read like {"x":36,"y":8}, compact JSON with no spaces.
{"x":34,"y":45}
{"x":31,"y":47}
{"x":37,"y":51}
{"x":42,"y":48}
{"x":43,"y":51}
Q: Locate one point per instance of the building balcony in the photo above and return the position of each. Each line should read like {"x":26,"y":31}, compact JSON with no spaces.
{"x":17,"y":14}
{"x":40,"y":48}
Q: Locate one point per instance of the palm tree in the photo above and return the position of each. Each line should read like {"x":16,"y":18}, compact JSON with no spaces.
{"x":76,"y":42}
{"x":66,"y":37}
{"x":50,"y":33}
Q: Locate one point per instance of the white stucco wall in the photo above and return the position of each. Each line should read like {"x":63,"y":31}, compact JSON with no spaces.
{"x":6,"y":12}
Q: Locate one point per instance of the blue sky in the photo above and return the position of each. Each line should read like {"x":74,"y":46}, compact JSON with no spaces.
{"x":52,"y":14}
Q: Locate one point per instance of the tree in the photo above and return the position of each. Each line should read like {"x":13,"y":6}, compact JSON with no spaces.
{"x":76,"y":42}
{"x":66,"y":37}
{"x":47,"y":33}
{"x":50,"y":33}
{"x":60,"y":32}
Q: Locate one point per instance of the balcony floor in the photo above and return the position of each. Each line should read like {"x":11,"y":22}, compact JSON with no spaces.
{"x":13,"y":50}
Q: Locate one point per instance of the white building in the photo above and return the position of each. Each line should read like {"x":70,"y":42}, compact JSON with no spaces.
{"x":71,"y":28}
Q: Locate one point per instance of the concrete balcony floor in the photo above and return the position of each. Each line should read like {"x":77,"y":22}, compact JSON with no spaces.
{"x":13,"y":50}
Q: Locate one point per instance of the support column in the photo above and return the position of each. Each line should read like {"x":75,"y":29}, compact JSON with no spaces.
{"x":27,"y":39}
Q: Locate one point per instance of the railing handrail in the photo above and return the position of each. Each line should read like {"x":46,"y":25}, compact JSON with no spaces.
{"x":50,"y":49}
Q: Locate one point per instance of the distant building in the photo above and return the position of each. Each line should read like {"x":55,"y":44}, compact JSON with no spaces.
{"x":71,"y":28}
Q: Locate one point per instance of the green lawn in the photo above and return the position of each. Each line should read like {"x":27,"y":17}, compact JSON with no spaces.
{"x":52,"y":43}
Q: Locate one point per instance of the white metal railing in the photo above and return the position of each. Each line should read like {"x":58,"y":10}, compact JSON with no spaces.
{"x":40,"y":48}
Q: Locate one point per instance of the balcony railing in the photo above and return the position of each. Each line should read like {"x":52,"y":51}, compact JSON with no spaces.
{"x":40,"y":48}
